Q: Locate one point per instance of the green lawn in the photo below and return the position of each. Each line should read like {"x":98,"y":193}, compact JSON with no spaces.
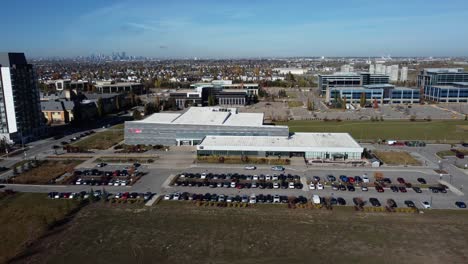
{"x":454,"y":131}
{"x":24,"y":217}
{"x":295,"y":104}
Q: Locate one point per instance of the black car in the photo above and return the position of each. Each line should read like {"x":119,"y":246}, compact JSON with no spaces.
{"x":417,"y":189}
{"x":375,"y":202}
{"x":409,"y":203}
{"x":341,"y":201}
{"x":394,"y":188}
{"x":387,"y":180}
{"x":391,"y":203}
{"x":342,"y":187}
{"x":333,"y":201}
{"x":351,"y":188}
{"x":422,"y":181}
{"x":460,"y":204}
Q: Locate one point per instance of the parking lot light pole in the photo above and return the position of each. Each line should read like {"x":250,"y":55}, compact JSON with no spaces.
{"x":431,"y":200}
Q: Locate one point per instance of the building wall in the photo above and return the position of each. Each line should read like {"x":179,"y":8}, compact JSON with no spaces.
{"x":168,"y":134}
{"x":446,"y":95}
{"x":319,"y":155}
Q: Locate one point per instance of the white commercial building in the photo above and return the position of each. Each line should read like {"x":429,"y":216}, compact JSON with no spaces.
{"x":296,"y":71}
{"x":404,"y":74}
{"x":311,"y":146}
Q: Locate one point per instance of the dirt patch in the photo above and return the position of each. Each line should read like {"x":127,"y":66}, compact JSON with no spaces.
{"x":397,"y":158}
{"x":179,"y":232}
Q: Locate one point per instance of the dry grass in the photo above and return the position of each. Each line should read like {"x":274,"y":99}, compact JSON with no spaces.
{"x":24,"y":217}
{"x":101,"y":140}
{"x":46,"y":172}
{"x":397,"y":158}
{"x":180,"y":232}
{"x":295,"y":104}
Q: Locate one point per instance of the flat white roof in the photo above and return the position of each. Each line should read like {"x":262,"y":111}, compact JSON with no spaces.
{"x":162,"y":118}
{"x":299,"y":142}
{"x":207,"y":116}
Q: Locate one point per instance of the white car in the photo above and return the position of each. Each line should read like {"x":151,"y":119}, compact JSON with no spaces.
{"x":365,"y":179}
{"x":268,"y":177}
{"x":221,"y":198}
{"x":312,"y":186}
{"x":78,"y":182}
{"x":233,"y":184}
{"x":117,"y":196}
{"x":319,"y":186}
{"x":229,"y":199}
{"x":364,"y":188}
{"x":123,"y":183}
{"x":291,"y":185}
{"x":316,"y":199}
{"x":276,"y":185}
{"x":250,"y":167}
{"x":275,"y":177}
{"x":117,"y":183}
{"x":276,"y":198}
{"x":203,"y":176}
{"x":72,"y":195}
{"x":255,"y":177}
{"x":182,"y":176}
{"x":253,"y":199}
{"x":176,"y":196}
{"x":167,"y":197}
{"x":426,"y":205}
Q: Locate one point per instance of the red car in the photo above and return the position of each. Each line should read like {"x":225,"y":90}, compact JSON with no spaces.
{"x":125,"y":195}
{"x":240,"y":186}
{"x":379,"y":188}
{"x":402,"y":189}
{"x":351,"y":180}
{"x":401,"y":180}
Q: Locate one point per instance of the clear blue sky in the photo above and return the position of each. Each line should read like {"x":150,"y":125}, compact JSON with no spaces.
{"x":222,"y":28}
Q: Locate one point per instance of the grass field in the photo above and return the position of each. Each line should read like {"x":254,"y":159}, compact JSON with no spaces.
{"x":179,"y":232}
{"x":102,"y":140}
{"x":398,"y":130}
{"x":46,"y":171}
{"x":295,"y":104}
{"x":24,"y":217}
{"x":397,"y":158}
{"x":448,"y":152}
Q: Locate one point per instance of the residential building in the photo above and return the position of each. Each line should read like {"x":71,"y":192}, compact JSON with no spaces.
{"x":123,"y":87}
{"x":21,"y":119}
{"x":57,"y":112}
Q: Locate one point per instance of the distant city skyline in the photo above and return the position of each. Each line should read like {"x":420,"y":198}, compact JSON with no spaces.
{"x":224,"y":29}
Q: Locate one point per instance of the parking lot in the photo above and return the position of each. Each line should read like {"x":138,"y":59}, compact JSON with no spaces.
{"x":422,"y":190}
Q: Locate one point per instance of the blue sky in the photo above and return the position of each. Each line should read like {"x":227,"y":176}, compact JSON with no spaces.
{"x":225,"y":28}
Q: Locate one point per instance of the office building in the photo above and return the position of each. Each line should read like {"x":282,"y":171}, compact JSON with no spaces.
{"x":191,"y":127}
{"x":21,"y":119}
{"x":123,"y":87}
{"x":456,"y":92}
{"x":382,"y":93}
{"x":349,"y":79}
{"x":441,"y":76}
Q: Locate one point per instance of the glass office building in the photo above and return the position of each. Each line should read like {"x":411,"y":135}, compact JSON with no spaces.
{"x":454,"y":93}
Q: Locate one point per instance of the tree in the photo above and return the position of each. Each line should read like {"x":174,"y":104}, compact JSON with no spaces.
{"x":157,"y":104}
{"x":136,"y":114}
{"x":100,"y":107}
{"x":211,"y":100}
{"x":310,"y":105}
{"x":132,"y":98}
{"x":117,"y":103}
{"x":362,"y":100}
{"x":344,"y":103}
{"x":149,"y":108}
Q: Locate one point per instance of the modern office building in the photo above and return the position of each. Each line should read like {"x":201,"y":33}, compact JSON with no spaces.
{"x":456,"y":92}
{"x":447,"y":85}
{"x":191,"y":127}
{"x":66,"y":84}
{"x":441,"y":76}
{"x":21,"y":119}
{"x":250,"y":88}
{"x":382,"y":93}
{"x":349,"y":79}
{"x":311,"y":146}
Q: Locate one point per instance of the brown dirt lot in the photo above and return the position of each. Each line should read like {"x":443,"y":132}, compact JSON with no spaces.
{"x":397,"y":158}
{"x":47,"y":171}
{"x":180,"y":232}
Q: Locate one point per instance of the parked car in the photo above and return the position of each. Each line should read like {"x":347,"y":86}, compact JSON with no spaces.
{"x":102,"y":164}
{"x":422,"y":181}
{"x":379,"y":188}
{"x":394,"y":188}
{"x":375,"y":202}
{"x":276,"y":198}
{"x":312,"y":186}
{"x":277,"y":168}
{"x":343,"y":178}
{"x":391,"y":203}
{"x":351,"y":188}
{"x":402,"y":189}
{"x":276,"y":185}
{"x":357,"y":179}
{"x":409,"y":203}
{"x":365,"y":179}
{"x":417,"y":189}
{"x":364,"y":188}
{"x":250,"y":167}
{"x":341,"y":201}
{"x":316,"y":178}
{"x":331,"y":178}
{"x":316,"y":199}
{"x":426,"y":204}
{"x":401,"y":180}
{"x":291,"y":185}
{"x":319,"y":186}
{"x":253,"y":199}
{"x":460,"y":204}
